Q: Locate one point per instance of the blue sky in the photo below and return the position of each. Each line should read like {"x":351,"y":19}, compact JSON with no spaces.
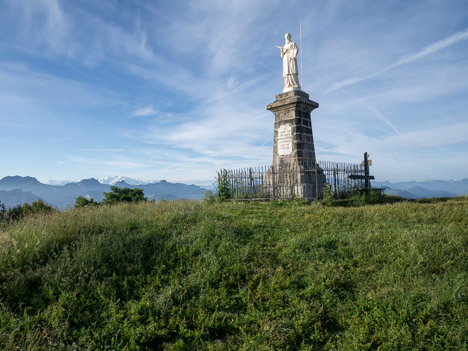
{"x":178,"y":89}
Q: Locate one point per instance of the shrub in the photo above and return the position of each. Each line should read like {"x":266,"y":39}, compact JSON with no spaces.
{"x":3,"y":213}
{"x":117,"y":195}
{"x":223,"y":190}
{"x":208,"y":198}
{"x":328,"y":196}
{"x":82,"y":201}
{"x":375,"y":197}
{"x":357,"y":199}
{"x":38,"y":206}
{"x":14,"y":214}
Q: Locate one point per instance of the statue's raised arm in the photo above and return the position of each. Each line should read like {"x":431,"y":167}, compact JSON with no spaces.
{"x":290,"y":73}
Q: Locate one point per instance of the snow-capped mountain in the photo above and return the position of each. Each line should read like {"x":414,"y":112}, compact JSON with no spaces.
{"x":112,"y":180}
{"x":58,"y":182}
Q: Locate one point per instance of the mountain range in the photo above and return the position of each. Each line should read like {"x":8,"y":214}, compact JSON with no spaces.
{"x":15,"y":190}
{"x":132,"y":181}
{"x":425,"y":189}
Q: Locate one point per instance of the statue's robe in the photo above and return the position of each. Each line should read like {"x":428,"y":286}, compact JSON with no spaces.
{"x":290,"y":72}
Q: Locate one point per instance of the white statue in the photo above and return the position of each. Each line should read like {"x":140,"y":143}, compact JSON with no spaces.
{"x":290,"y":73}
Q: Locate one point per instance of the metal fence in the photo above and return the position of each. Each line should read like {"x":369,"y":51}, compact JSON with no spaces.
{"x":337,"y":175}
{"x":271,"y":183}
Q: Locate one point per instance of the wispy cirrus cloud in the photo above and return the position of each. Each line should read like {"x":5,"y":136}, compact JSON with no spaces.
{"x":117,"y":163}
{"x":145,"y":111}
{"x":381,"y":117}
{"x":25,"y":87}
{"x":432,"y":48}
{"x":44,"y":22}
{"x":61,"y":29}
{"x":428,"y":50}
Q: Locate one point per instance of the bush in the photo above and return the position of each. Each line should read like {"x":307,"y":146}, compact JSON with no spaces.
{"x":3,"y":213}
{"x":375,"y":197}
{"x":328,"y":196}
{"x":117,"y":195}
{"x":361,"y":198}
{"x":38,"y":206}
{"x":81,"y":201}
{"x":208,"y":198}
{"x":14,"y":214}
{"x":223,"y":190}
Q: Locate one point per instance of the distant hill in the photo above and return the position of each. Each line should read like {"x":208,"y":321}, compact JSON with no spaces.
{"x":417,"y":192}
{"x":17,"y":182}
{"x":164,"y":189}
{"x":63,"y":196}
{"x":12,"y":198}
{"x":429,"y":188}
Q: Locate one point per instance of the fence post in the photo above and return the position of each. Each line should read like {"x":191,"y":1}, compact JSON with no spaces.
{"x":273,"y":182}
{"x":334,"y":180}
{"x":316,"y":182}
{"x":250,"y":184}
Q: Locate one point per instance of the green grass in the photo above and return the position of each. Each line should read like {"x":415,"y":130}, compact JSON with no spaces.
{"x":235,"y":276}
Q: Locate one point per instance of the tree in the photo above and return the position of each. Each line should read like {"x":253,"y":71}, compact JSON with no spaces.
{"x":3,"y":213}
{"x":82,"y":201}
{"x":117,"y":195}
{"x":38,"y":206}
{"x":16,"y":213}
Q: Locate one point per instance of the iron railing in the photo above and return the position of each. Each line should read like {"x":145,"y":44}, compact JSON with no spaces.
{"x":273,"y":183}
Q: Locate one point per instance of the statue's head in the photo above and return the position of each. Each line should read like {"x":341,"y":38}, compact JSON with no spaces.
{"x":287,"y":36}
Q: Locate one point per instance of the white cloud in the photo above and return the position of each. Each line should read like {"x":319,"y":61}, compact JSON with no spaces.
{"x":348,"y":82}
{"x":63,"y":29}
{"x":145,"y":111}
{"x":117,"y":163}
{"x":432,"y":48}
{"x":381,"y":117}
{"x":22,"y":83}
{"x":54,"y":27}
{"x":429,"y":49}
{"x":428,"y":152}
{"x":437,"y":136}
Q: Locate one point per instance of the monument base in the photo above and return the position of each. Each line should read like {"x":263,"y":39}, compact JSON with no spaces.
{"x":294,"y":172}
{"x":296,"y":181}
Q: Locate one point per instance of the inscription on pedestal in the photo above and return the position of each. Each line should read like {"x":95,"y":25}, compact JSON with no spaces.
{"x":284,"y":140}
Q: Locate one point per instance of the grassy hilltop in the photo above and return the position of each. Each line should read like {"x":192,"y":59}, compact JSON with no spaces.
{"x":190,"y":276}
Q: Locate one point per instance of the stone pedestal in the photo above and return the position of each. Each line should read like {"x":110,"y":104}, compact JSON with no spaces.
{"x":294,"y":171}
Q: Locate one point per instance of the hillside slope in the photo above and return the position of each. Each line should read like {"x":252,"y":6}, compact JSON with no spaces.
{"x":190,"y":276}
